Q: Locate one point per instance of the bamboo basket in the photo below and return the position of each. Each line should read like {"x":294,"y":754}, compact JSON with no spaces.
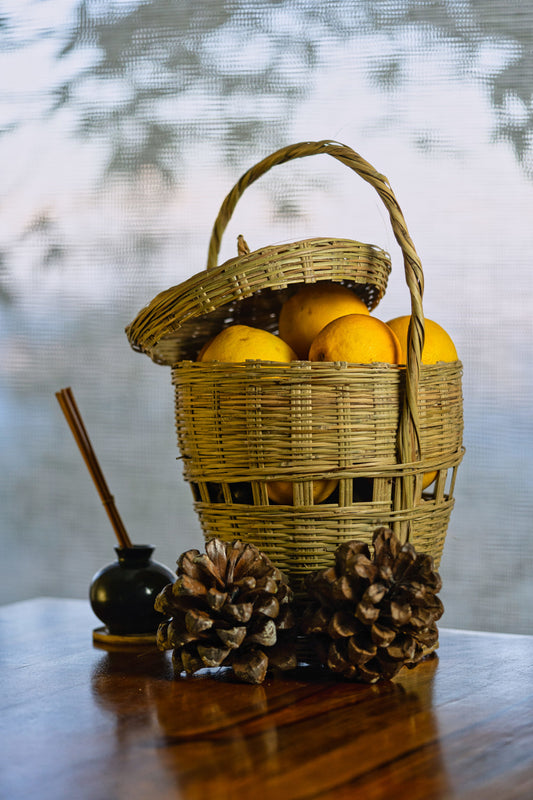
{"x":376,"y":429}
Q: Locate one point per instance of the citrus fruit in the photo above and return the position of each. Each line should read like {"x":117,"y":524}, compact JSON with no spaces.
{"x":428,"y":479}
{"x":200,"y":355}
{"x":438,"y":345}
{"x":304,"y":314}
{"x":238,"y":343}
{"x":282,"y":491}
{"x":357,"y":338}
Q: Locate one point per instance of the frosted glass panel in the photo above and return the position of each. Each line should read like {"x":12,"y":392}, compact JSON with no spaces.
{"x":122,"y":127}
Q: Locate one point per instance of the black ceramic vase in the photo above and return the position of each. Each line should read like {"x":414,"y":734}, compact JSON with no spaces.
{"x":122,"y":594}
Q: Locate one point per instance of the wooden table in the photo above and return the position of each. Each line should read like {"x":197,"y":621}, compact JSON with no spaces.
{"x":81,"y":722}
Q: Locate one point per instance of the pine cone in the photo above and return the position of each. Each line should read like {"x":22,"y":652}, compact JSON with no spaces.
{"x":229,"y":606}
{"x":373,"y":614}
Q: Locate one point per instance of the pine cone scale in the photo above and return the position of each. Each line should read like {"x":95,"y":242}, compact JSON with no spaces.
{"x":375,"y":593}
{"x":232,"y":637}
{"x":251,"y":668}
{"x":265,"y":633}
{"x":367,"y":613}
{"x":209,"y":569}
{"x":381,"y":635}
{"x":188,"y":586}
{"x":197,"y":621}
{"x":211,"y":655}
{"x":237,"y":612}
{"x":216,"y":599}
{"x":360,"y":652}
{"x":401,"y":613}
{"x":341,"y":625}
{"x":190,"y":661}
{"x":217,"y":553}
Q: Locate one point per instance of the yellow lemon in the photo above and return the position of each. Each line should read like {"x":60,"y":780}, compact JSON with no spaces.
{"x":200,"y":355}
{"x":438,"y":345}
{"x":282,"y":491}
{"x":428,"y":479}
{"x":357,"y":338}
{"x":304,"y":314}
{"x":238,"y":343}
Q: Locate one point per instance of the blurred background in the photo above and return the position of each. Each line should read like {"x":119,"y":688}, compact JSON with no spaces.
{"x":122,"y":127}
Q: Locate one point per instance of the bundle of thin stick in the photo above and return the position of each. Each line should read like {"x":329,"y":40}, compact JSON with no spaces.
{"x":70,"y":410}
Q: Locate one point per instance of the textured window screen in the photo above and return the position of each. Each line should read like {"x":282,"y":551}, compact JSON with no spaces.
{"x":122,"y":127}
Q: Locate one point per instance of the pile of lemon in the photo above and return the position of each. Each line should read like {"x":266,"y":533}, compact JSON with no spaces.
{"x":327,"y":321}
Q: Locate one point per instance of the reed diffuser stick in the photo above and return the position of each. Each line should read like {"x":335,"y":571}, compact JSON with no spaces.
{"x":72,"y":414}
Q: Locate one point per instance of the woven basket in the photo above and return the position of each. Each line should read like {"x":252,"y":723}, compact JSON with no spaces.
{"x":376,"y":428}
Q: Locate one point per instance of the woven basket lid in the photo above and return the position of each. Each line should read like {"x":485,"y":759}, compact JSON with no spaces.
{"x":251,"y":289}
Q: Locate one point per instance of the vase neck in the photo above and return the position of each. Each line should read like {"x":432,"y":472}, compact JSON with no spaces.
{"x":136,"y":556}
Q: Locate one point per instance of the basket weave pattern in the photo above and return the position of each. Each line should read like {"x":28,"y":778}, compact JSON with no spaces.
{"x":376,"y":429}
{"x":253,"y":423}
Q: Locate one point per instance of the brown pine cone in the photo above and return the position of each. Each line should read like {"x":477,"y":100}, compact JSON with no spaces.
{"x":373,"y":614}
{"x":229,"y":606}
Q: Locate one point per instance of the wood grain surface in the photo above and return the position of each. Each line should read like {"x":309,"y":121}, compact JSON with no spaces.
{"x":77,"y":721}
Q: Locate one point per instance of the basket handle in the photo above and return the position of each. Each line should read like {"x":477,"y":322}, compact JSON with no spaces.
{"x":408,"y":430}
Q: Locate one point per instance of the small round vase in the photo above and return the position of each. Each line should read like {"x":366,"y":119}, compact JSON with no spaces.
{"x":122,"y":594}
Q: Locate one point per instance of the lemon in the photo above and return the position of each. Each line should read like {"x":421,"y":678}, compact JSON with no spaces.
{"x":200,"y":355}
{"x":238,"y":343}
{"x":357,"y":338}
{"x":428,"y":479}
{"x":282,"y":491}
{"x":304,"y":314}
{"x":438,"y":345}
